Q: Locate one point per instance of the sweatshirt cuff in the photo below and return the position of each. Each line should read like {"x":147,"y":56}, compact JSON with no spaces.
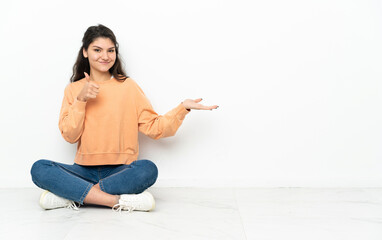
{"x":181,"y":111}
{"x":79,"y":105}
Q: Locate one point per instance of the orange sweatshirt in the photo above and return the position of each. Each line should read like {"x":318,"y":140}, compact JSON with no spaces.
{"x":106,"y":127}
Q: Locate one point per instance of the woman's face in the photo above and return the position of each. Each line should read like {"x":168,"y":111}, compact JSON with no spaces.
{"x":101,"y":54}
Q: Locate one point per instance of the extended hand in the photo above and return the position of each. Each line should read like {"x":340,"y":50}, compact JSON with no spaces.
{"x":194,"y":104}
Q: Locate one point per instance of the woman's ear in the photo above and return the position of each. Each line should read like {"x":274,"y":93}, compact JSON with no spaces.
{"x":84,"y":53}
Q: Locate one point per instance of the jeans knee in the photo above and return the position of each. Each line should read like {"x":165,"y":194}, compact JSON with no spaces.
{"x":37,"y":168}
{"x":150,"y":170}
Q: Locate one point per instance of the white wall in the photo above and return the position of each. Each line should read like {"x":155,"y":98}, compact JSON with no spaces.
{"x":298,"y":84}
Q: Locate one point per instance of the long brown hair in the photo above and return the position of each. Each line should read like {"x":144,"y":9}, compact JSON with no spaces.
{"x":82,"y":63}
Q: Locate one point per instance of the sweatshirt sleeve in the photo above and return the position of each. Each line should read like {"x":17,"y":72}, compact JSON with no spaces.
{"x":72,"y":116}
{"x":154,"y":125}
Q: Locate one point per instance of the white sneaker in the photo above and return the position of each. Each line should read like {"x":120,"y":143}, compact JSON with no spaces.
{"x":138,"y":202}
{"x":49,"y":200}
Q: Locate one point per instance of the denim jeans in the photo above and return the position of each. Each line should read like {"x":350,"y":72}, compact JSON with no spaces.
{"x":74,"y":182}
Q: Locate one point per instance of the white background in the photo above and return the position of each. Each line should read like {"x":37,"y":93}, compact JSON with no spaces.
{"x":298,"y":84}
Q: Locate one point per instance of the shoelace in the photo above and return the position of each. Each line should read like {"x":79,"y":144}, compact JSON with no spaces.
{"x":73,"y":206}
{"x":123,"y":207}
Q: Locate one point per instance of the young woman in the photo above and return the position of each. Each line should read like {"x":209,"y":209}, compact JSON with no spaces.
{"x":103,"y":109}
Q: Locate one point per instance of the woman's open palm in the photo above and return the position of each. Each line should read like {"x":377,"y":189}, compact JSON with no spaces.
{"x":194,"y":104}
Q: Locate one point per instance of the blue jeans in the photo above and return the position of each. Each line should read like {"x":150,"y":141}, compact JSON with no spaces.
{"x":74,"y":182}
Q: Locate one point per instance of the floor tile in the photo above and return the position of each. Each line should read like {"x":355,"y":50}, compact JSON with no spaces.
{"x":181,"y":213}
{"x":299,"y":213}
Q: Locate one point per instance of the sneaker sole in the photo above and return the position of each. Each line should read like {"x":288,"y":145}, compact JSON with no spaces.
{"x":153,"y":206}
{"x":153,"y":201}
{"x":42,"y":197}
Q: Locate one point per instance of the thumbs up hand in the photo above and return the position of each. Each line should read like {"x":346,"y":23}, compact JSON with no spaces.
{"x":90,"y":90}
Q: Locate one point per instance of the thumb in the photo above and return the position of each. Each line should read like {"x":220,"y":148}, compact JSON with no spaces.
{"x":87,"y":77}
{"x":198,"y":100}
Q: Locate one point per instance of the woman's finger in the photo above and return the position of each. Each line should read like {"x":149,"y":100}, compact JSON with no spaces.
{"x":202,"y":107}
{"x":210,"y":107}
{"x":93,"y":92}
{"x":93,"y":86}
{"x":87,"y":77}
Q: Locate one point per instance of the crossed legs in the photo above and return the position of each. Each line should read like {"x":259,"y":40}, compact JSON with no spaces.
{"x":71,"y":181}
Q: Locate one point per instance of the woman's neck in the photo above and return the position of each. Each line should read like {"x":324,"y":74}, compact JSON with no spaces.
{"x":99,"y":76}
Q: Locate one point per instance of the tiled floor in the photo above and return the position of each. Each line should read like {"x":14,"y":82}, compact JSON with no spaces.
{"x":199,"y":213}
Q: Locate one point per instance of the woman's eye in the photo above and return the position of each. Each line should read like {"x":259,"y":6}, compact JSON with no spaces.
{"x":97,"y":50}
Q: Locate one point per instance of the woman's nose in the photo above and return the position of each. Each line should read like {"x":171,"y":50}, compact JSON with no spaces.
{"x":105,"y":56}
